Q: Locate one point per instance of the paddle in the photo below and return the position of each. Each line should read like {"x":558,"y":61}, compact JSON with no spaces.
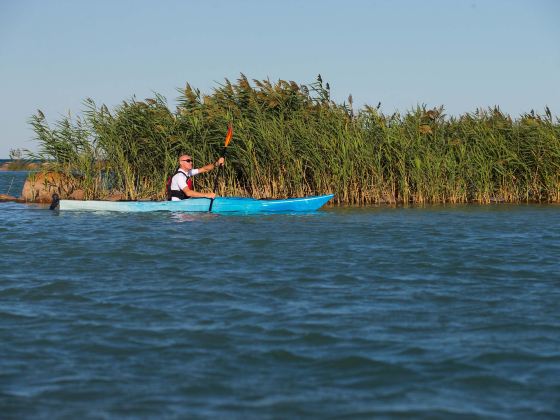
{"x":229,"y":135}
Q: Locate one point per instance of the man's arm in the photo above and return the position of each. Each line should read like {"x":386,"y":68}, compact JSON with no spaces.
{"x":192,"y":193}
{"x":210,"y":166}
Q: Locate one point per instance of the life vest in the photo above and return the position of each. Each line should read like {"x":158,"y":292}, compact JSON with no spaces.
{"x":175,"y":193}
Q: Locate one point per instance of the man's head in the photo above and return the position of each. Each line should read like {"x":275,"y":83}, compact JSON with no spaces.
{"x":185,"y":162}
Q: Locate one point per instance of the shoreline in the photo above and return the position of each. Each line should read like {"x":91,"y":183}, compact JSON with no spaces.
{"x":14,"y":165}
{"x":4,"y":198}
{"x":39,"y":187}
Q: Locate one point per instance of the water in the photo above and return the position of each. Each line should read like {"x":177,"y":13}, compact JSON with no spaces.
{"x":11,"y":182}
{"x":438,"y":312}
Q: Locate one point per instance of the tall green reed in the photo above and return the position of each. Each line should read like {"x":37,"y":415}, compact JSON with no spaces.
{"x":293,"y":140}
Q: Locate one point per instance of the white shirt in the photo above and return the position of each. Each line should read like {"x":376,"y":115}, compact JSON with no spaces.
{"x":179,"y":181}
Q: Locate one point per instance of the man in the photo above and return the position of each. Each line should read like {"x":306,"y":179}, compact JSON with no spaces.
{"x":181,"y":183}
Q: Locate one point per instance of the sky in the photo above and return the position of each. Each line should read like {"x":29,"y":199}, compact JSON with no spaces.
{"x":462,"y":54}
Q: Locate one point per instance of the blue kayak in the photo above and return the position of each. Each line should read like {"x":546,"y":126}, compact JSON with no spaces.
{"x":221,"y":205}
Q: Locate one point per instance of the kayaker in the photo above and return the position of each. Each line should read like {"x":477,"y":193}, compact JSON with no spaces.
{"x":181,"y":186}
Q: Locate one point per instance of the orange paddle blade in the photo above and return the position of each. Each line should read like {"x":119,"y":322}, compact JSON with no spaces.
{"x":229,"y":135}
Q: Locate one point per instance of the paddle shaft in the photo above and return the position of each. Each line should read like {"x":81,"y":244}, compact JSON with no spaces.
{"x":223,"y":154}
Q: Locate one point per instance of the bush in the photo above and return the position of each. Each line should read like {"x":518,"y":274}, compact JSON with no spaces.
{"x":292,"y":140}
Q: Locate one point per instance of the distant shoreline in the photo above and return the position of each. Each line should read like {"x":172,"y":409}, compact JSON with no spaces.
{"x":17,"y":165}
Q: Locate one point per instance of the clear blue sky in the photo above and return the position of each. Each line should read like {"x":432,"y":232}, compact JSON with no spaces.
{"x":460,"y":54}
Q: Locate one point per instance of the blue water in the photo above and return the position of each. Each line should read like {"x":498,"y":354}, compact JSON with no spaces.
{"x":437,"y":312}
{"x":11,"y":182}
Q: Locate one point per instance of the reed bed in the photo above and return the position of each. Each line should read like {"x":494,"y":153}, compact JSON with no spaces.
{"x":292,"y":140}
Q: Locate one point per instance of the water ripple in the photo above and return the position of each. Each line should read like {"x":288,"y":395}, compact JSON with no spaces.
{"x":431,"y":312}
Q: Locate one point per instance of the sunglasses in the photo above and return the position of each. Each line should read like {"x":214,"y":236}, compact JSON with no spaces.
{"x":186,"y":160}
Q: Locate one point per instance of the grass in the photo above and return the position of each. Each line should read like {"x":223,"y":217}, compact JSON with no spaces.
{"x":292,"y":140}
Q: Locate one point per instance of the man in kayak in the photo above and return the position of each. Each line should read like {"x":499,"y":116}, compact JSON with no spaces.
{"x":181,"y":186}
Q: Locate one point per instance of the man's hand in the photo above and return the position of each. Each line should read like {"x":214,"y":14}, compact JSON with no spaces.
{"x":220,"y":161}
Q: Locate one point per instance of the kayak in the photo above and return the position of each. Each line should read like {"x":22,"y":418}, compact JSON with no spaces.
{"x":221,"y":205}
